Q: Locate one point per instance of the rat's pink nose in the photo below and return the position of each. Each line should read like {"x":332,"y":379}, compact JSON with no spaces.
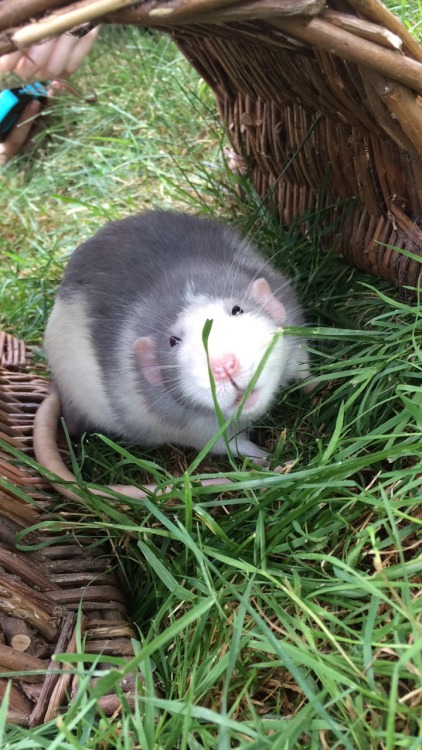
{"x":225,"y":366}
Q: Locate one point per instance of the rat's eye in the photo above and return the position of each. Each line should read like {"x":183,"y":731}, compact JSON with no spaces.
{"x":236,"y":310}
{"x":174,"y":340}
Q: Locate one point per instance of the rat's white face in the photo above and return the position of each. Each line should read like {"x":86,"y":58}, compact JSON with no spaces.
{"x":236,"y":344}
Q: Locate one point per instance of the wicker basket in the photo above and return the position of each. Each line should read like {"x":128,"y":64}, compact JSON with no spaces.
{"x":41,"y":591}
{"x":311,"y":93}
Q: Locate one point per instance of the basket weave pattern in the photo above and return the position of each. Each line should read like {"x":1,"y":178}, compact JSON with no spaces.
{"x":304,"y":120}
{"x":42,"y":590}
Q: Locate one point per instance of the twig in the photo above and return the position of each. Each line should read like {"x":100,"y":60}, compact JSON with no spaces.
{"x":349,"y":47}
{"x":19,"y":705}
{"x":84,"y":11}
{"x":407,"y":225}
{"x":105,"y":593}
{"x":12,"y":660}
{"x":246,"y":11}
{"x":63,"y":682}
{"x":113,"y":646}
{"x":16,"y":632}
{"x":57,"y":24}
{"x":155,"y":13}
{"x":26,"y":570}
{"x":382,"y":116}
{"x":19,"y":601}
{"x":376,"y":11}
{"x":404,"y":105}
{"x":52,"y":677}
{"x":15,"y":11}
{"x":111,"y":704}
{"x":365,"y":29}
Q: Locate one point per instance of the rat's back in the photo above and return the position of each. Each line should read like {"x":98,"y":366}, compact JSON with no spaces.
{"x":133,"y":281}
{"x":127,"y":262}
{"x":131,"y":256}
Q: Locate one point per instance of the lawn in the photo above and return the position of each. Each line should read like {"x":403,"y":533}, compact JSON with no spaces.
{"x":282,"y":612}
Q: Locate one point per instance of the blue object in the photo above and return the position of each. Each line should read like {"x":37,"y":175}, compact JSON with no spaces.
{"x":14,"y":101}
{"x":8,"y":100}
{"x":37,"y":90}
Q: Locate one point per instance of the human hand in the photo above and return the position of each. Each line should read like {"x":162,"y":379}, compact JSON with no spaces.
{"x":56,"y":58}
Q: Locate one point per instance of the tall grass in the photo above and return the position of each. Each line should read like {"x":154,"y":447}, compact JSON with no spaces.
{"x":284,"y":611}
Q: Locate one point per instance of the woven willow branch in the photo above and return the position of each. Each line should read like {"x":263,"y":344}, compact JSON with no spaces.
{"x":376,"y":11}
{"x":373,"y":32}
{"x":403,"y":105}
{"x":241,"y":11}
{"x":149,"y":13}
{"x":53,"y":25}
{"x":12,"y":12}
{"x":326,"y":36}
{"x":82,"y":12}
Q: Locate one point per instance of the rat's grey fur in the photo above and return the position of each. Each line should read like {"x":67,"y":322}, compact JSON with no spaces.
{"x":133,"y":279}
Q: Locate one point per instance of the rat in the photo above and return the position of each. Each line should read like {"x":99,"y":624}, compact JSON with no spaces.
{"x":124,"y":340}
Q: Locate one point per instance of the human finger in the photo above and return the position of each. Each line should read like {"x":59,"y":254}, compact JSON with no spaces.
{"x":81,"y":50}
{"x":56,"y":64}
{"x":9,"y":62}
{"x":19,"y":133}
{"x":33,"y":60}
{"x":38,"y":54}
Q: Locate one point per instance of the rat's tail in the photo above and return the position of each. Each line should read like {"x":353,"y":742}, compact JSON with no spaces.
{"x":47,"y":454}
{"x":45,"y":437}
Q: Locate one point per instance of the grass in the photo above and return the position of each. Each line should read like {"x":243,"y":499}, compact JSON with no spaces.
{"x":284,"y":614}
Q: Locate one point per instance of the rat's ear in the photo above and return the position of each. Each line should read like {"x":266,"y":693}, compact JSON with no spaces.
{"x":261,"y":292}
{"x":145,"y":349}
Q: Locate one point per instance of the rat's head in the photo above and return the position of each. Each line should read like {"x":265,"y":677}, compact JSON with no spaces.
{"x":243,"y":328}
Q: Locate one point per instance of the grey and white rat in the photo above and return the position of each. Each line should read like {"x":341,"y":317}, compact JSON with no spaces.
{"x":124,"y":339}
